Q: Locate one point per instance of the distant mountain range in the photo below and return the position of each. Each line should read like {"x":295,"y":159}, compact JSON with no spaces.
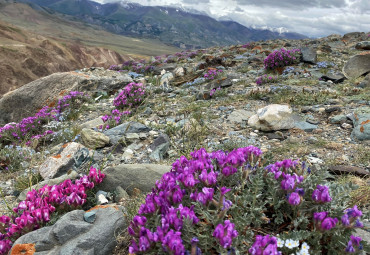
{"x":173,"y":26}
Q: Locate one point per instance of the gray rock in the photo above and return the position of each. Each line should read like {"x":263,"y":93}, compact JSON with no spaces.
{"x":365,"y":45}
{"x":90,"y":217}
{"x":337,"y":119}
{"x":272,"y":117}
{"x":93,"y":139}
{"x":365,"y":83}
{"x":361,"y":123}
{"x":334,"y":77}
{"x":121,"y":195}
{"x":309,"y":55}
{"x":116,"y":133}
{"x":356,"y":66}
{"x":72,"y":235}
{"x":47,"y":90}
{"x":159,"y":147}
{"x":59,"y":164}
{"x":130,"y":176}
{"x":81,"y":157}
{"x":238,"y":116}
{"x":305,"y":126}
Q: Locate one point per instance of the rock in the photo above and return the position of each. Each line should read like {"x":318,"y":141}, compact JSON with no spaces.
{"x":166,"y":80}
{"x":334,"y":77}
{"x":272,"y":117}
{"x":71,"y":234}
{"x":81,"y":157}
{"x":363,"y":45}
{"x":221,"y":83}
{"x":93,"y":139}
{"x":69,"y":176}
{"x":59,"y":164}
{"x":130,"y":176}
{"x":121,"y":195}
{"x":337,"y":119}
{"x":159,"y":147}
{"x":349,"y":170}
{"x":179,"y":71}
{"x":309,"y":55}
{"x":90,"y":217}
{"x":305,"y":126}
{"x":356,"y":66}
{"x":47,"y":91}
{"x":116,"y":133}
{"x":131,"y":137}
{"x":365,"y":83}
{"x":238,"y":116}
{"x":361,"y":124}
{"x":95,"y":123}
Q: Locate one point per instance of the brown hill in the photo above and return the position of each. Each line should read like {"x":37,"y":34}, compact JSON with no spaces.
{"x":35,"y":43}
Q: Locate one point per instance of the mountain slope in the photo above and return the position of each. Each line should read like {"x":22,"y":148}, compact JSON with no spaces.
{"x":170,"y":25}
{"x":41,"y":44}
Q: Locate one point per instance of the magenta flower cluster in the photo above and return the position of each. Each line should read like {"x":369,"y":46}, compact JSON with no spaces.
{"x":281,"y":58}
{"x":321,"y":194}
{"x":35,"y":211}
{"x":324,"y":222}
{"x":131,"y":96}
{"x":264,"y":245}
{"x":212,"y":74}
{"x":197,"y":179}
{"x":266,"y":79}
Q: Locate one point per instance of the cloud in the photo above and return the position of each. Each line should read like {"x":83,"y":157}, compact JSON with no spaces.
{"x":315,"y":18}
{"x":294,"y":4}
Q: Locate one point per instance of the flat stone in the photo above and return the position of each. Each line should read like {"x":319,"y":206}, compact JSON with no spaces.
{"x":116,"y":133}
{"x":130,"y":176}
{"x":305,"y":126}
{"x":356,"y":66}
{"x":334,"y":77}
{"x":90,"y":216}
{"x":238,"y":116}
{"x":55,"y":166}
{"x":93,"y":139}
{"x":359,"y":171}
{"x":337,"y":119}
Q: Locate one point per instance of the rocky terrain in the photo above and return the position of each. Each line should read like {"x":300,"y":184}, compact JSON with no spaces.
{"x":317,"y":110}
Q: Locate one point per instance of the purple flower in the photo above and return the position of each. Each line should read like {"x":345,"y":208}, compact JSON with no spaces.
{"x":225,"y":233}
{"x":320,"y":216}
{"x":328,"y":223}
{"x":294,"y":199}
{"x":321,"y":194}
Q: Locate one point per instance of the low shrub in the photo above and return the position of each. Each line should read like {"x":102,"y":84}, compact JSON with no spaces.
{"x":281,"y":58}
{"x":227,"y":203}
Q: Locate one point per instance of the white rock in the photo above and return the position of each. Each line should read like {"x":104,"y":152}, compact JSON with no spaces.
{"x":272,"y":117}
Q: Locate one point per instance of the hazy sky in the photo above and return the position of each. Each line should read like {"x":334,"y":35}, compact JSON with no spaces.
{"x":310,"y":17}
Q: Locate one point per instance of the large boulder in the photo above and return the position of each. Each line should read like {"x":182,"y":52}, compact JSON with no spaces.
{"x":357,"y":65}
{"x":46,"y":91}
{"x":131,"y":176}
{"x":71,"y":234}
{"x":273,"y":117}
